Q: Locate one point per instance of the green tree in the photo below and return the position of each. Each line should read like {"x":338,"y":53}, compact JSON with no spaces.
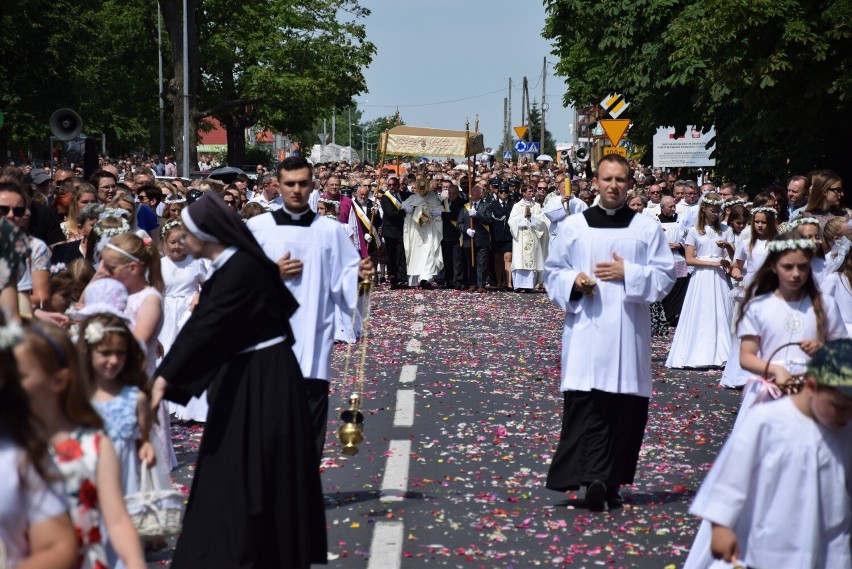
{"x":104,"y":68}
{"x":279,"y":64}
{"x":771,"y":75}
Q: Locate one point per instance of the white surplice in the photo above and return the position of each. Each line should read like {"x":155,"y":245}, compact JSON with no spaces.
{"x":555,"y":211}
{"x":329,"y":280}
{"x":781,"y":483}
{"x":422,"y":234}
{"x":606,"y":338}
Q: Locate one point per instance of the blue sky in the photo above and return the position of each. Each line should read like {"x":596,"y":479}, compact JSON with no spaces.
{"x":433,"y":51}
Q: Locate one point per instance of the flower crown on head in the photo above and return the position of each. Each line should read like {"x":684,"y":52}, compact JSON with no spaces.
{"x":710,"y":201}
{"x":124,"y":227}
{"x":793,"y":224}
{"x":11,"y":334}
{"x":169,"y":226}
{"x":764,"y":209}
{"x":174,"y":199}
{"x":790,"y":244}
{"x":114,"y":212}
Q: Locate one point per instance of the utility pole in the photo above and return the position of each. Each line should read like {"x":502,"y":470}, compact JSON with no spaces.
{"x":524,"y":103}
{"x":334,"y":126}
{"x":543,"y":101}
{"x":350,"y":127}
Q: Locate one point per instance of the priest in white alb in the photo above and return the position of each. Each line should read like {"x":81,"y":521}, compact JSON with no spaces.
{"x":321,"y":267}
{"x":423,"y":230}
{"x":528,"y":225}
{"x":604,"y":269}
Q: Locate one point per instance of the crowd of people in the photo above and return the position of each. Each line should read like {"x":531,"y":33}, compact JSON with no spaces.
{"x":125,"y":278}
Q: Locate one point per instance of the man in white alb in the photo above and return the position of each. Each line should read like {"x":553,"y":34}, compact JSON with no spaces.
{"x":604,"y":269}
{"x":320,"y":266}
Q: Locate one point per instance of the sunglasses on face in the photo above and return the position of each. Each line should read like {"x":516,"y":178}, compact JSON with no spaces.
{"x":838,"y":191}
{"x":16,"y":211}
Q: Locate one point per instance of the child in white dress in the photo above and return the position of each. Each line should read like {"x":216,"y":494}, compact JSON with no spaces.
{"x":779,"y":493}
{"x":748,"y":257}
{"x":182,"y":276}
{"x":702,"y":337}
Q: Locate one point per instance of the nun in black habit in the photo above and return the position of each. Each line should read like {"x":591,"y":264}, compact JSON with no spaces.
{"x":256,"y":498}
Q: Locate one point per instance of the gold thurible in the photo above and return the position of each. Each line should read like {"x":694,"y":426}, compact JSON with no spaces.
{"x":351,"y":432}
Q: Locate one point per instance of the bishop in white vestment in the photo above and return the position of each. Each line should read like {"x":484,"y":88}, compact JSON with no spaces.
{"x":423,"y":230}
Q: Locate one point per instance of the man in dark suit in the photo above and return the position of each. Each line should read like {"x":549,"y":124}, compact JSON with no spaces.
{"x":473,"y":223}
{"x":451,"y":250}
{"x":392,"y":224}
{"x":501,"y":237}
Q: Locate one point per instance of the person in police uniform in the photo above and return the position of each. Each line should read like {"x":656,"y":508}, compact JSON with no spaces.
{"x":501,"y":237}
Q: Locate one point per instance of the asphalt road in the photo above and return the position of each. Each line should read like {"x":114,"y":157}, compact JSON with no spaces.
{"x":451,"y":473}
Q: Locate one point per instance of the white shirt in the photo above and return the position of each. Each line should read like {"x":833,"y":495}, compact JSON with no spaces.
{"x":268,"y":205}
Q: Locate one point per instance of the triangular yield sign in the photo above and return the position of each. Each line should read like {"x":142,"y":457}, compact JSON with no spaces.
{"x":521,"y":131}
{"x":614,"y":129}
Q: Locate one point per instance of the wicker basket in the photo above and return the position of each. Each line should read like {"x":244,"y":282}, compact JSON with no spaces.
{"x":155,"y":511}
{"x":797,"y":381}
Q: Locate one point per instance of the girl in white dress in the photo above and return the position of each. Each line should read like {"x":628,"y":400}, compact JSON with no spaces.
{"x":781,"y":305}
{"x":748,"y":258}
{"x":182,"y":276}
{"x":703,"y":337}
{"x":838,"y":283}
{"x":809,"y":228}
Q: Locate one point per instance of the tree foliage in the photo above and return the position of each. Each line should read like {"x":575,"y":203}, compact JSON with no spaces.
{"x":279,"y":64}
{"x":771,"y":75}
{"x":104,"y":67}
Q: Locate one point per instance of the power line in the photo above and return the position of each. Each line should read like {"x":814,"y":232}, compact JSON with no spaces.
{"x":436,"y":103}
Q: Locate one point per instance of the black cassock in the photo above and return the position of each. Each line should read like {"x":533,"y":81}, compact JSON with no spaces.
{"x":256,"y":499}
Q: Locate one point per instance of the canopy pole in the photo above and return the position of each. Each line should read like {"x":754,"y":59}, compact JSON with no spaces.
{"x":469,"y":189}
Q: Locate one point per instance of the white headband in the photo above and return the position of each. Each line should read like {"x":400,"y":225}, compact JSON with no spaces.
{"x":118,"y":249}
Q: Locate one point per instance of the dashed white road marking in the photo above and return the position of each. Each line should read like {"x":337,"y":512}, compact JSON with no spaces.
{"x":395,"y":481}
{"x":404,"y":414}
{"x":413,"y":345}
{"x":418,"y":326}
{"x":386,"y":547}
{"x":408,"y":373}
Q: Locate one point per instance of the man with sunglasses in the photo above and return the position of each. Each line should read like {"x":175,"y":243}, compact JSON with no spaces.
{"x":392,"y":232}
{"x":319,"y":265}
{"x":655,"y":196}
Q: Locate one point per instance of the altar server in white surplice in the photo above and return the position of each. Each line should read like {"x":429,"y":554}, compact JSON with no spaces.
{"x":528,"y":225}
{"x":423,"y":230}
{"x":320,"y":266}
{"x":604,"y":269}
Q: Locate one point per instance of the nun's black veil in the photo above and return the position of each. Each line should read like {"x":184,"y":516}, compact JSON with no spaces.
{"x":210,"y":219}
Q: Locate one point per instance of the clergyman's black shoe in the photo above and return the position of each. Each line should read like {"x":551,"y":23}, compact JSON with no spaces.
{"x":614,"y":499}
{"x":596,"y":494}
{"x":425,"y":285}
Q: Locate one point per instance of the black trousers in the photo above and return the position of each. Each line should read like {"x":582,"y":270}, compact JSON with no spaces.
{"x":600,"y":440}
{"x":477,"y":276}
{"x":449,"y":263}
{"x":397,"y":271}
{"x":673,"y":302}
{"x":461,"y":263}
{"x":316,"y":391}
